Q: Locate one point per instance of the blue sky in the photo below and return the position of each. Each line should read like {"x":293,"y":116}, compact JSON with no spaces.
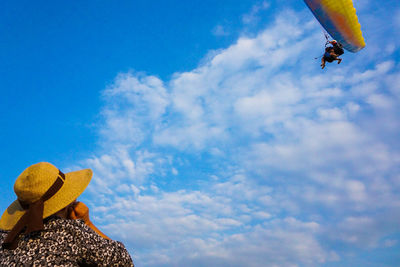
{"x":214,"y":136}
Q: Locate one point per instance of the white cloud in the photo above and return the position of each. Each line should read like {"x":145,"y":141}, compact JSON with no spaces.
{"x":380,"y":101}
{"x":253,"y":15}
{"x":127,"y":113}
{"x":380,"y":69}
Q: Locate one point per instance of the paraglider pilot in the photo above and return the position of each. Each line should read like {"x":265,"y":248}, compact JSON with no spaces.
{"x":332,"y":53}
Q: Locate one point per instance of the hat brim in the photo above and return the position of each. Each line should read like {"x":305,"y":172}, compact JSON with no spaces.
{"x":74,"y":185}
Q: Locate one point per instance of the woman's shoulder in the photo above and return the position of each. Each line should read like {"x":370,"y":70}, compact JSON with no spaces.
{"x":55,"y":222}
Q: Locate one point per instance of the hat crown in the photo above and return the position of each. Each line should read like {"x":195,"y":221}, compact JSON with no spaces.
{"x":34,"y":181}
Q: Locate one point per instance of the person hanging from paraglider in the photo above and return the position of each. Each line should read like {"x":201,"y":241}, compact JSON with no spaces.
{"x":339,"y":20}
{"x":332,"y":53}
{"x":337,"y":47}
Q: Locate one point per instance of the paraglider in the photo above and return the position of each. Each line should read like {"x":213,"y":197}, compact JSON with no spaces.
{"x":339,"y":19}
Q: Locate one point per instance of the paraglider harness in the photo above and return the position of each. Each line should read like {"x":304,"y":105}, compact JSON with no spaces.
{"x":337,"y":48}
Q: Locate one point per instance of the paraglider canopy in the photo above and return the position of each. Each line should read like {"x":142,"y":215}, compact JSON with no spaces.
{"x":339,"y":19}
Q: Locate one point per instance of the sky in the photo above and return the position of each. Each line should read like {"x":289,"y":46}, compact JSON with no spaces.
{"x":214,"y":136}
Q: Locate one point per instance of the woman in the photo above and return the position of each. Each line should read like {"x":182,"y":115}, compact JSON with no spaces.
{"x":45,"y":226}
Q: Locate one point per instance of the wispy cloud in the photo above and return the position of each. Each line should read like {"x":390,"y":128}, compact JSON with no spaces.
{"x":255,"y":156}
{"x":220,"y":30}
{"x":253,"y":15}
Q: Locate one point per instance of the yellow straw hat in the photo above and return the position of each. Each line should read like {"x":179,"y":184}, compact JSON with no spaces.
{"x":33,"y":183}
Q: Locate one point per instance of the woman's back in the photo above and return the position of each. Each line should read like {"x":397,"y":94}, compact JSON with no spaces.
{"x":64,"y":242}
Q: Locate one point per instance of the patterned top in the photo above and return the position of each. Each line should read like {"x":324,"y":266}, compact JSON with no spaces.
{"x":64,"y":243}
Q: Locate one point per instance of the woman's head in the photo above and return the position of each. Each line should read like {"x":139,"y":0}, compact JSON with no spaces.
{"x":43,"y":182}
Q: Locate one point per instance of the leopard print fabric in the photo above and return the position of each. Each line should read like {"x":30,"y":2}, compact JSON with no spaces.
{"x":64,"y":243}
